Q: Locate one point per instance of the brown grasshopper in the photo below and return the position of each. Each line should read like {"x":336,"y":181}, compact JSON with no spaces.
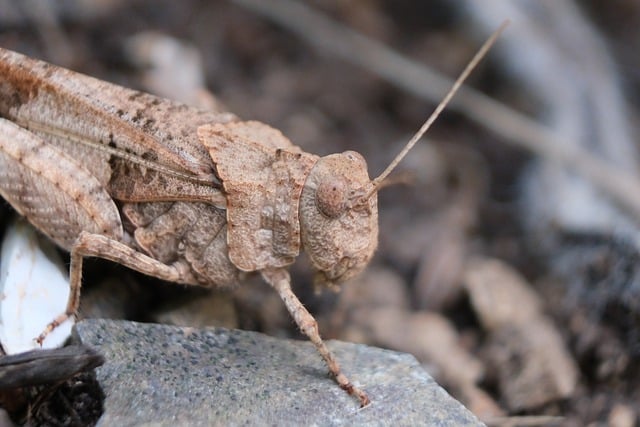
{"x":185,"y":195}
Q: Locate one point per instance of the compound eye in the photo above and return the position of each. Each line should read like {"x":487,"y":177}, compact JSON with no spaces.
{"x":331,"y":197}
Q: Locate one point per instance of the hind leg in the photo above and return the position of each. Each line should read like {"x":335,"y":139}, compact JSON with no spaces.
{"x":97,"y":245}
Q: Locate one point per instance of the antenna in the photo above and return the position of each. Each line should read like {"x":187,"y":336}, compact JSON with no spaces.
{"x":377,"y":182}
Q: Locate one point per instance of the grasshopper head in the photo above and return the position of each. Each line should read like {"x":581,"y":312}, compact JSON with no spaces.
{"x":339,"y":217}
{"x":339,"y":203}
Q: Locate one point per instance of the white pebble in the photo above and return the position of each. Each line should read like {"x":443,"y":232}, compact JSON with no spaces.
{"x":34,"y":289}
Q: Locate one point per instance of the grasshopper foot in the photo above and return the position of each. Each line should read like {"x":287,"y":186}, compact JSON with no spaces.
{"x":60,"y":319}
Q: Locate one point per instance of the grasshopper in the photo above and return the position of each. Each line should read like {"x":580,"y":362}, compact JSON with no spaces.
{"x":185,"y":195}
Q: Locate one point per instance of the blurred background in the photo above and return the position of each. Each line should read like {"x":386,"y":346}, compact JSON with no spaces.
{"x":508,"y":261}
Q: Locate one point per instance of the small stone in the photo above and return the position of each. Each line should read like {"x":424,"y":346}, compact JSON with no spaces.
{"x":34,"y":289}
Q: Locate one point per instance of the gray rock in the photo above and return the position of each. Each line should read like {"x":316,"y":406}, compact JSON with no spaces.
{"x":165,"y":375}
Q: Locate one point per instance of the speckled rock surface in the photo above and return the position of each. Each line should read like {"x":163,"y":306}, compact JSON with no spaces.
{"x":164,"y":375}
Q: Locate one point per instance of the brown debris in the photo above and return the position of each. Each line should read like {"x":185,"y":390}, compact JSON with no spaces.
{"x":532,"y":362}
{"x":428,"y":336}
{"x":478,"y":401}
{"x":499,"y":295}
{"x":622,"y":416}
{"x":437,"y":282}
